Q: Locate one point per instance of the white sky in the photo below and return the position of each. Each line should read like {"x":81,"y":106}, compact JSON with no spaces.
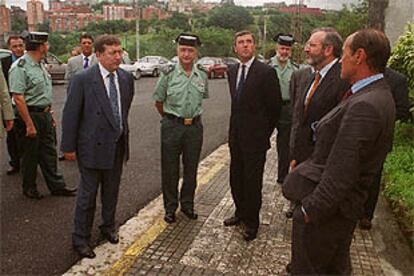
{"x":324,"y":4}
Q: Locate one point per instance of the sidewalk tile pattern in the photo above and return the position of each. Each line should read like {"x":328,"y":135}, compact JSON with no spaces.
{"x":206,"y":247}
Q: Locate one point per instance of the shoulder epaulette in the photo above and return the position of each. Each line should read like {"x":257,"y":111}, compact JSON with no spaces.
{"x":168,"y":69}
{"x":202,"y":68}
{"x":295,"y":65}
{"x":21,"y":62}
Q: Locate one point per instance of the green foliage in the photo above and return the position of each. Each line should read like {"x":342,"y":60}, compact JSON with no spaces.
{"x":18,"y":25}
{"x":399,"y":171}
{"x":231,"y":17}
{"x":177,"y":21}
{"x":402,"y":59}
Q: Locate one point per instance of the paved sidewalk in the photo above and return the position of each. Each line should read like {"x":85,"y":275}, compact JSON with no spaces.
{"x":205,"y":246}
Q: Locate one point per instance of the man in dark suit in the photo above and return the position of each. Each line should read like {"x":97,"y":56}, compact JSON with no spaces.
{"x":95,"y":128}
{"x":16,"y":46}
{"x":352,"y":141}
{"x":399,"y":90}
{"x":255,"y":108}
{"x":315,"y":93}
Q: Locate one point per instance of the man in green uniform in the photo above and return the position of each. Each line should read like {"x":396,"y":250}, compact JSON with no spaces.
{"x":178,"y":97}
{"x":31,"y":86}
{"x":284,"y":68}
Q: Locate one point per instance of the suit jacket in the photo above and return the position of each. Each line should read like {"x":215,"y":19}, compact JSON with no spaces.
{"x":352,"y":141}
{"x":75,"y":65}
{"x":399,"y":90}
{"x":88,"y":123}
{"x":255,"y":114}
{"x":327,"y":95}
{"x":6,"y":64}
{"x":6,"y":109}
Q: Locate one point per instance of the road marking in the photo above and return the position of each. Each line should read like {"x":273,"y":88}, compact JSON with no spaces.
{"x":137,"y":248}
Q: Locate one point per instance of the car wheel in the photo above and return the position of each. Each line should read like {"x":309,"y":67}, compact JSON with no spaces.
{"x":137,"y":74}
{"x":155,"y":73}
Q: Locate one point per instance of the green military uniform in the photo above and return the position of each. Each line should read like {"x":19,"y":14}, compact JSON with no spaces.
{"x":285,"y":120}
{"x":181,"y":132}
{"x":30,"y":79}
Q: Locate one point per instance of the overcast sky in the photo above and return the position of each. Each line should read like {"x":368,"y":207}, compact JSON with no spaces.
{"x":324,"y":4}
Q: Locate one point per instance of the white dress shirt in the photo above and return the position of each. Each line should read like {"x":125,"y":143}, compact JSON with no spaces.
{"x":246,"y":70}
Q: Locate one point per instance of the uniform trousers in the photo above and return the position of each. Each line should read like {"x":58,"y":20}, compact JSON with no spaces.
{"x":179,"y":140}
{"x":39,"y":150}
{"x":13,"y":146}
{"x":323,"y":248}
{"x":90,"y":180}
{"x":246,"y":182}
{"x":283,"y":127}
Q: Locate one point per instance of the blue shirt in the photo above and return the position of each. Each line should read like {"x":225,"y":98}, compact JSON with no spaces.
{"x":356,"y":87}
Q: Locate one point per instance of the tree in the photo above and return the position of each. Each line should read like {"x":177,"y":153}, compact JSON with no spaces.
{"x":231,"y":17}
{"x":177,"y":21}
{"x":18,"y":24}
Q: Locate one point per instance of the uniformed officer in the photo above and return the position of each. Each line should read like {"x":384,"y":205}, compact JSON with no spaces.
{"x":284,"y":68}
{"x":31,"y":86}
{"x":178,"y":97}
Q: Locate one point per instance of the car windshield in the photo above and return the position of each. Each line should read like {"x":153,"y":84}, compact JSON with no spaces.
{"x":152,"y":60}
{"x":207,"y":61}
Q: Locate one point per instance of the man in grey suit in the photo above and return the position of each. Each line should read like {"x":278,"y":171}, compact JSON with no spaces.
{"x":95,"y":128}
{"x":351,"y":143}
{"x":83,"y":61}
{"x":315,"y":94}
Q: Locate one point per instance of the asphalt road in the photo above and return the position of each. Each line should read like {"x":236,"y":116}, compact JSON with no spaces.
{"x":36,"y":235}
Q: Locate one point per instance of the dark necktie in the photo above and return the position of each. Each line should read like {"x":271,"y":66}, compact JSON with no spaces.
{"x":86,"y":64}
{"x":241,"y":82}
{"x":113,"y":97}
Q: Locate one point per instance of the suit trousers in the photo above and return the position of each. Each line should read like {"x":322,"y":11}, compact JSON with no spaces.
{"x":283,"y":127}
{"x":321,"y":249}
{"x":373,"y":194}
{"x":40,"y":150}
{"x":246,"y":182}
{"x":86,"y":198}
{"x":179,"y":140}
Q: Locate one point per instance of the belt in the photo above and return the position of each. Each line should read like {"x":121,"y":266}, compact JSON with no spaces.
{"x":183,"y":121}
{"x":39,"y":108}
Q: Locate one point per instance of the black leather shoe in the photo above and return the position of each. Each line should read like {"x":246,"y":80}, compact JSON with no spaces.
{"x":64,"y":192}
{"x":12,"y":170}
{"x":289,"y":268}
{"x":190,"y":214}
{"x":232,"y":221}
{"x":112,"y":236}
{"x":365,"y":224}
{"x":169,"y":217}
{"x":85,"y":251}
{"x":33,"y":194}
{"x":249,"y":234}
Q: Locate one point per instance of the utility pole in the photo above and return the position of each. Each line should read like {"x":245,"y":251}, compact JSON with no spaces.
{"x":137,"y":17}
{"x":264,"y":35}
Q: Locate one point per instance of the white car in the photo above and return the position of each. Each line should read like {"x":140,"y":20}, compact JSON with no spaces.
{"x":152,"y":65}
{"x":5,"y":53}
{"x":128,"y":66}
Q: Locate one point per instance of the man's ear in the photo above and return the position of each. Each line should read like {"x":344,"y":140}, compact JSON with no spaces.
{"x":329,"y":50}
{"x":360,"y":55}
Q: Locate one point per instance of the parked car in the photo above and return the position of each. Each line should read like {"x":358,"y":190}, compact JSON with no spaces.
{"x":55,"y":67}
{"x":132,"y":67}
{"x":215,"y":67}
{"x":152,"y":65}
{"x":230,"y":60}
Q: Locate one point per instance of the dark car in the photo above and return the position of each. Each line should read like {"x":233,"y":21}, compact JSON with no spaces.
{"x":55,"y":67}
{"x":214,"y":66}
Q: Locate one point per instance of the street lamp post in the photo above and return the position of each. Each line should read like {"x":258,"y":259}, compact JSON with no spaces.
{"x":137,"y":15}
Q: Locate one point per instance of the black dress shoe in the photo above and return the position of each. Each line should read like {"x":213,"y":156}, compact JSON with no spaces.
{"x":112,"y":236}
{"x":85,"y":251}
{"x":64,"y":192}
{"x":169,"y":217}
{"x":232,"y":221}
{"x":365,"y":224}
{"x":33,"y":194}
{"x":249,"y":234}
{"x":190,"y":214}
{"x":289,"y":268}
{"x":12,"y":170}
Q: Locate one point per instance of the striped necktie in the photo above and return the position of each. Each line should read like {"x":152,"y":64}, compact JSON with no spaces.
{"x":113,"y":97}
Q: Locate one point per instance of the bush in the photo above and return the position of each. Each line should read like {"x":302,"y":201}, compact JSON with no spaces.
{"x":402,"y":59}
{"x":399,"y":177}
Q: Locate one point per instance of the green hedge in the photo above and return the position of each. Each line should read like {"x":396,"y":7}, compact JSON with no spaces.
{"x":399,"y":177}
